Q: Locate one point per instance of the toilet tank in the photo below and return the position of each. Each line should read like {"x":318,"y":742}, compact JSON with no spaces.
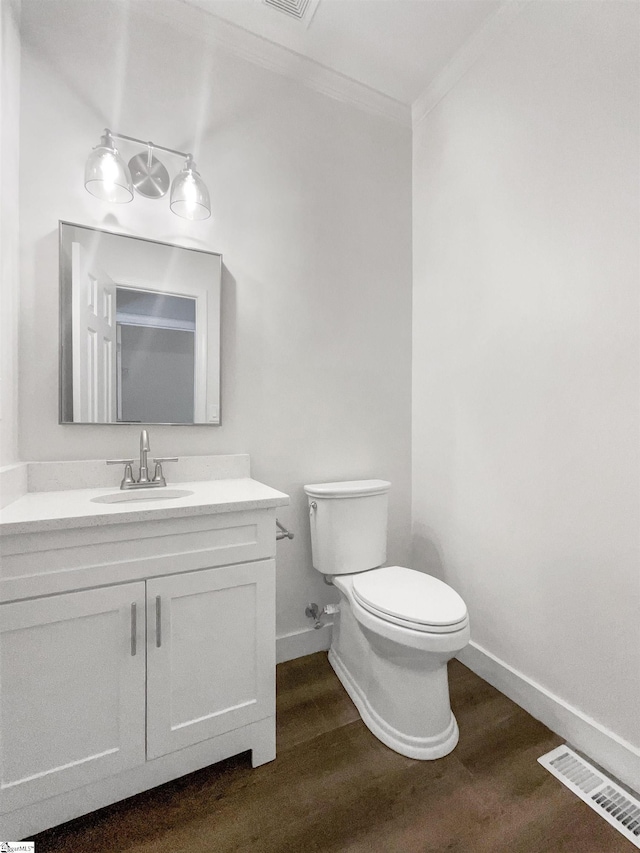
{"x":348,"y":525}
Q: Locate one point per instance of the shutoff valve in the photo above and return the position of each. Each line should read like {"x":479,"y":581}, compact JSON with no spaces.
{"x":312,"y":611}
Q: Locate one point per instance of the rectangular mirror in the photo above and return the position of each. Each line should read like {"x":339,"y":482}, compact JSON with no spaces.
{"x":139,"y":330}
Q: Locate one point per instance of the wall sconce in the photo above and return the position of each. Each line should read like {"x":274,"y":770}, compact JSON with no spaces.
{"x":109,"y":178}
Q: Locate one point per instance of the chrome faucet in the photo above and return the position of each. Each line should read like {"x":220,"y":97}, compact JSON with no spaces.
{"x":144,"y":449}
{"x":143,"y":481}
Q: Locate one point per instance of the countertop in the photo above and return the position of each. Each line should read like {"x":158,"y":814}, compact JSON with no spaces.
{"x":41,"y":511}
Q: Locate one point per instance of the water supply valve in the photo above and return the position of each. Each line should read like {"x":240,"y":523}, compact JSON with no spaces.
{"x":312,"y":611}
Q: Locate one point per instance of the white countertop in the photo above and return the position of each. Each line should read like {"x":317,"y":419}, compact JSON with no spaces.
{"x":40,"y":511}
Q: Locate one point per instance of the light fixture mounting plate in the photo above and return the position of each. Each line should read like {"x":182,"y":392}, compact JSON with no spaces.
{"x":150,"y":179}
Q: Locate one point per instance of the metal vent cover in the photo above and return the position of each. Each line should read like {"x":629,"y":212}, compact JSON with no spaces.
{"x":298,"y":10}
{"x":605,"y":797}
{"x":295,"y":8}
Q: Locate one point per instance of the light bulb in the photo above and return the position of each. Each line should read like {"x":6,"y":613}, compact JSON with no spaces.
{"x":106,"y":175}
{"x":189,"y":194}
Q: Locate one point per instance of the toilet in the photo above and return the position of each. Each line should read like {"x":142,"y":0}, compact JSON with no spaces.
{"x":396,"y":627}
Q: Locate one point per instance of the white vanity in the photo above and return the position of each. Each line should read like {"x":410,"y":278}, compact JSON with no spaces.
{"x":137,"y":638}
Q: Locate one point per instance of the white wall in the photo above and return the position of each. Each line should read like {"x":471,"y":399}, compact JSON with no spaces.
{"x":526,"y":353}
{"x":9,"y":248}
{"x":311,"y":212}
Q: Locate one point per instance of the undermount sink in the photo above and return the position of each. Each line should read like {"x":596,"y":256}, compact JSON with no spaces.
{"x":142,"y":495}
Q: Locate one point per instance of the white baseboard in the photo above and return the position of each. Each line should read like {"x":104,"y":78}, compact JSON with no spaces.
{"x":301,"y":643}
{"x":613,"y":753}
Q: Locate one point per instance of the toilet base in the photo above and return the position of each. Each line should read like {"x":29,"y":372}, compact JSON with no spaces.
{"x":424,"y":749}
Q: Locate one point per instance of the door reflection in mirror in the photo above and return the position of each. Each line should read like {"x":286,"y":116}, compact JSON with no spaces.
{"x":155,"y":356}
{"x":140,"y":330}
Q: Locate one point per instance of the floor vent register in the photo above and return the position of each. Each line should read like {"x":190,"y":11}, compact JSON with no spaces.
{"x":603,"y":795}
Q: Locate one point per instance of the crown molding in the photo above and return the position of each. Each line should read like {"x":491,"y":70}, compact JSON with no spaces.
{"x":195,"y":21}
{"x":466,"y":57}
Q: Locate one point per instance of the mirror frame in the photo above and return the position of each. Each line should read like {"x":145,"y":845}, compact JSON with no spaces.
{"x":65,"y":305}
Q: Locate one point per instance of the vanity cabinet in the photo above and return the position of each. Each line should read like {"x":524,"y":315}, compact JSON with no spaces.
{"x":131,"y":654}
{"x":72,"y":693}
{"x":209,"y":654}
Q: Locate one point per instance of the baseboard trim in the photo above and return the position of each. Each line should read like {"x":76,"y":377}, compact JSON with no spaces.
{"x":613,"y":753}
{"x":297,"y":644}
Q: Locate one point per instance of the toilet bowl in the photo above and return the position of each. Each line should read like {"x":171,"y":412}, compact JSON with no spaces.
{"x":396,"y":628}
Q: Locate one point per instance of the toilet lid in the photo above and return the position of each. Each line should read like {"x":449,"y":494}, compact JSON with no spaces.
{"x":348,"y":489}
{"x":410,"y":595}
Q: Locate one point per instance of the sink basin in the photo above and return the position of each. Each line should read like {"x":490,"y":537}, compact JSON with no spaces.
{"x":160,"y":494}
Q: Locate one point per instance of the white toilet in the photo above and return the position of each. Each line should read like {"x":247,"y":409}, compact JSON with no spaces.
{"x":396,"y":628}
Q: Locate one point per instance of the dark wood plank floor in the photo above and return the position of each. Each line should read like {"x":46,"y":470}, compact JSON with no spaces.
{"x":335,"y":787}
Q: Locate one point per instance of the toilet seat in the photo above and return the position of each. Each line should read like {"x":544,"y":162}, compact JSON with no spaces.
{"x":410,"y":598}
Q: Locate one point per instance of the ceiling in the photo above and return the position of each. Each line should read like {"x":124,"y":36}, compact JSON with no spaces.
{"x":386,"y":57}
{"x":393,"y":47}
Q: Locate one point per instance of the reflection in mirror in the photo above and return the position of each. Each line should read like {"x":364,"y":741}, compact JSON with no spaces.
{"x":139,"y":330}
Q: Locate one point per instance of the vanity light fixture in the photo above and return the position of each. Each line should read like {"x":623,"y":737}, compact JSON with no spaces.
{"x":109,"y":178}
{"x":189,"y":194}
{"x":106,"y":175}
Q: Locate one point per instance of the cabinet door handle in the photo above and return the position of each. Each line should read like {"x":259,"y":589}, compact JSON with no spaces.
{"x":134,"y":630}
{"x":158,"y":621}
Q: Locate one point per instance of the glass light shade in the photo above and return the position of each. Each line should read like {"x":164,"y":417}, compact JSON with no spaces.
{"x":106,"y":175}
{"x":189,"y":194}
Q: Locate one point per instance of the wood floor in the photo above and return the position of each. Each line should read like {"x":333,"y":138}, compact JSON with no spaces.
{"x":335,"y":787}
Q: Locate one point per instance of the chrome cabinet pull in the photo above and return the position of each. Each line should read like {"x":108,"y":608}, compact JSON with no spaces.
{"x":134,"y":630}
{"x":158,"y":621}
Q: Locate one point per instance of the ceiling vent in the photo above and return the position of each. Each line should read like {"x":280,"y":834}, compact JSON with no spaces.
{"x":298,"y":10}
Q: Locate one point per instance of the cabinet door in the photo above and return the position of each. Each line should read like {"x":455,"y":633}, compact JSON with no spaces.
{"x":210,"y":653}
{"x":72,"y":672}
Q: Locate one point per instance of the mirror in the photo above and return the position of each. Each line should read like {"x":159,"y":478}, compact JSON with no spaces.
{"x":139,"y":330}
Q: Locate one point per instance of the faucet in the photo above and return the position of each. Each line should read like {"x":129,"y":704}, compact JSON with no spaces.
{"x":144,"y":449}
{"x":143,"y":481}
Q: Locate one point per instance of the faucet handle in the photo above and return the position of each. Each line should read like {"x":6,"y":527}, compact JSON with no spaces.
{"x":158,"y":476}
{"x":128,"y":471}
